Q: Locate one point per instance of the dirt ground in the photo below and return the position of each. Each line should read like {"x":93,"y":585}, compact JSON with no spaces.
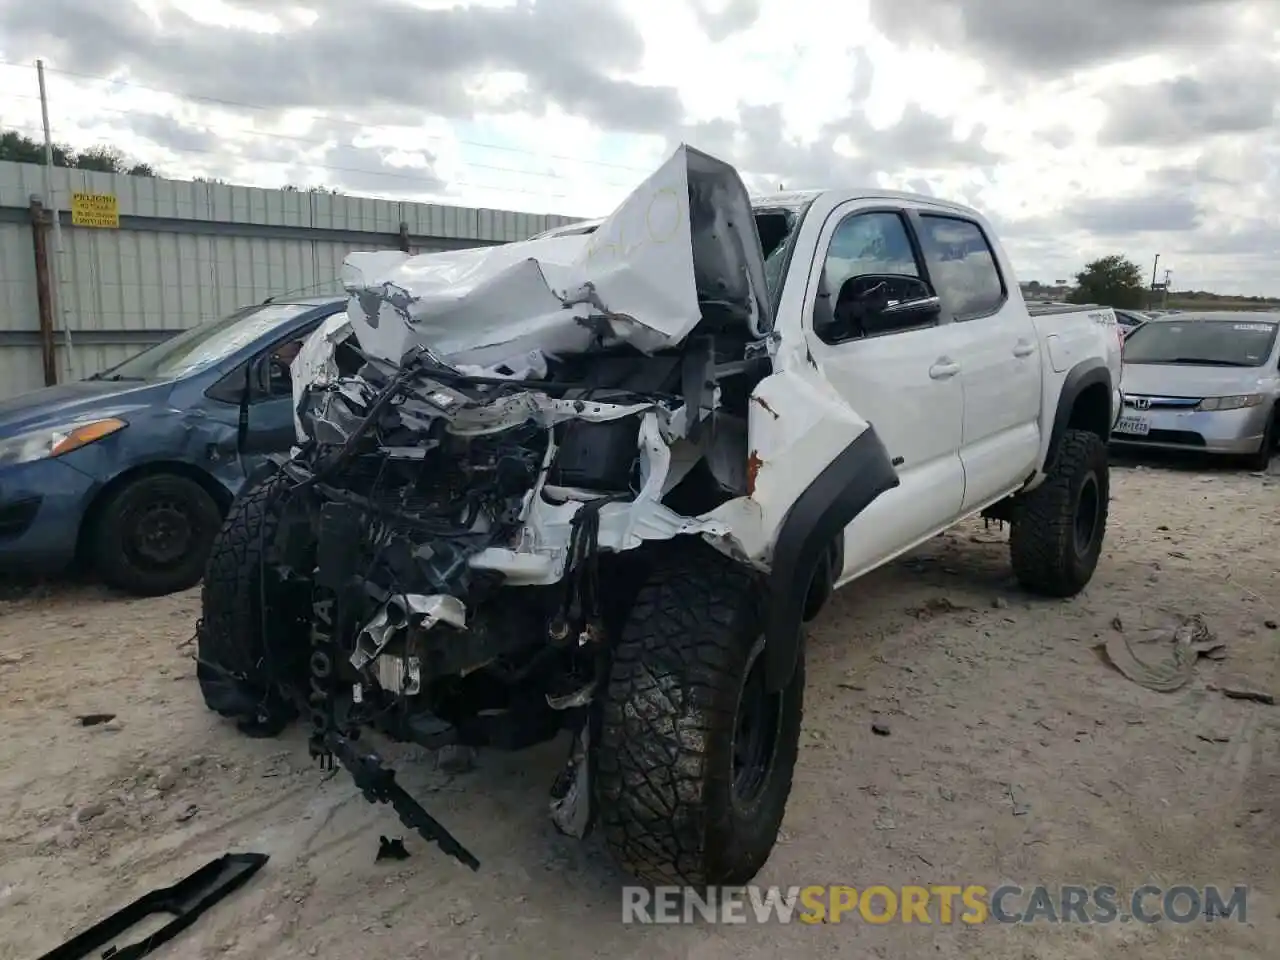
{"x":1014,"y":754}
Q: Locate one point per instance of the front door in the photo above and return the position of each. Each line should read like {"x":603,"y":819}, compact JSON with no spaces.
{"x":900,"y":376}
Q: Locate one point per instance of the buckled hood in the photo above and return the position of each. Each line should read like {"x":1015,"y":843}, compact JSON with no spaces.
{"x":680,"y":248}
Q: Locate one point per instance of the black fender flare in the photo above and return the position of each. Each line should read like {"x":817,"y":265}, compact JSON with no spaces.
{"x":1083,"y":375}
{"x":846,"y":486}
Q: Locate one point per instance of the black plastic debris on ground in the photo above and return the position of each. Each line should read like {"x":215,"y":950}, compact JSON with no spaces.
{"x":391,"y":849}
{"x":185,"y":900}
{"x":93,"y":719}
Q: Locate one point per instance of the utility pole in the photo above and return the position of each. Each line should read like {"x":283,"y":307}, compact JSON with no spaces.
{"x":1151,"y":295}
{"x":1164,"y":298}
{"x":59,"y":266}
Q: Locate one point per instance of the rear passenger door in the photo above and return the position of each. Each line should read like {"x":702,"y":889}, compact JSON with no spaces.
{"x":998,"y":350}
{"x":897,"y":370}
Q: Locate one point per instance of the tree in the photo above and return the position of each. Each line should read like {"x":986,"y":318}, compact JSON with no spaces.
{"x":19,"y":149}
{"x":106,"y":159}
{"x":1114,"y":281}
{"x":111,"y":160}
{"x":293,"y":188}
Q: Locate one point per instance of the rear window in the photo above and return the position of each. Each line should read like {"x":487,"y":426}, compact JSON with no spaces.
{"x":964,"y":267}
{"x":1212,"y":343}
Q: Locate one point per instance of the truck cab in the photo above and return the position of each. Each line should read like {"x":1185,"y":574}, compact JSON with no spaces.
{"x":909,"y":308}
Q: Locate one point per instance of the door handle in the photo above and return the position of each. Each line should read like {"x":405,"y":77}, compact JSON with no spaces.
{"x":943,"y":368}
{"x":1023,"y":349}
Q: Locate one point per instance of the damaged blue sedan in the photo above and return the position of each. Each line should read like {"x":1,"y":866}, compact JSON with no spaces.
{"x":131,"y":470}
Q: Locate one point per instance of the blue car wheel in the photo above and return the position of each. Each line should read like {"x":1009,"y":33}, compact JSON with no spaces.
{"x":153,"y":536}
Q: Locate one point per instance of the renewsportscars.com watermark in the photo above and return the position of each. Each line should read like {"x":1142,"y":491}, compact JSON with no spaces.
{"x":939,"y":904}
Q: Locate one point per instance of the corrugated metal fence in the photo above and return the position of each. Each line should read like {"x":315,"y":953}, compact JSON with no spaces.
{"x":184,"y":252}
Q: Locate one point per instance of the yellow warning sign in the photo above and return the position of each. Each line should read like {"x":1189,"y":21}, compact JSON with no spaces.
{"x":95,"y":210}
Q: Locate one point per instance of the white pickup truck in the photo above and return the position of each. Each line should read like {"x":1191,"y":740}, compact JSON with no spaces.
{"x":598,"y":480}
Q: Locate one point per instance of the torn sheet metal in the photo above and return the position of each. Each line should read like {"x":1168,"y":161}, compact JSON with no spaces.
{"x":314,"y":366}
{"x":681,"y":250}
{"x":423,"y":611}
{"x":540,"y":555}
{"x":517,"y":408}
{"x":683,"y":236}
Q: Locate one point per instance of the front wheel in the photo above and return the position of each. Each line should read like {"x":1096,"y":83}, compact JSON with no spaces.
{"x":1262,"y":459}
{"x":1058,"y":528}
{"x":695,"y":758}
{"x":153,"y":536}
{"x":243,"y":671}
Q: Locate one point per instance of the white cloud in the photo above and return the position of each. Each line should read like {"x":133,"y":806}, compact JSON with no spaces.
{"x":1079,"y":136}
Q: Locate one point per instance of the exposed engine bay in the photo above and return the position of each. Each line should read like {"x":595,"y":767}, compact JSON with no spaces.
{"x":486,"y":439}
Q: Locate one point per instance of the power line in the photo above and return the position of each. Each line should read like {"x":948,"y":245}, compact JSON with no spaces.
{"x":434,"y":181}
{"x":319,"y":117}
{"x":325,"y":143}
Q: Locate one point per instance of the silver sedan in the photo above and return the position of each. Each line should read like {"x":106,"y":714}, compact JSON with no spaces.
{"x":1203,"y":381}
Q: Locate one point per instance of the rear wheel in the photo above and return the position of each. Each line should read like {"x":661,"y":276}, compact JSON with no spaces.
{"x":244,"y":674}
{"x":154,"y":534}
{"x":695,"y":757}
{"x":1058,"y":528}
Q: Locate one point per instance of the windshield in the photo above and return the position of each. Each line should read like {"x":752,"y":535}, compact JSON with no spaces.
{"x":204,"y":345}
{"x":777,"y":228}
{"x":1214,"y":343}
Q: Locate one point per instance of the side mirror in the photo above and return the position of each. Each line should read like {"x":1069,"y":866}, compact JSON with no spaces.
{"x":267,"y":375}
{"x":876,"y":303}
{"x":260,"y":377}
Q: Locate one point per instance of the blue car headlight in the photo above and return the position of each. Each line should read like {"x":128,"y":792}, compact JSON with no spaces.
{"x":55,"y":441}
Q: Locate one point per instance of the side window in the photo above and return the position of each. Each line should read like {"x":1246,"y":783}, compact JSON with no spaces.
{"x":268,"y":373}
{"x":963,"y":266}
{"x":272,"y":378}
{"x":872,"y":282}
{"x":869,"y":243}
{"x":280,"y":359}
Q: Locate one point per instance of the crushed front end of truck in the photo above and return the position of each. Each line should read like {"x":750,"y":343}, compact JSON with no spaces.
{"x":505,"y":458}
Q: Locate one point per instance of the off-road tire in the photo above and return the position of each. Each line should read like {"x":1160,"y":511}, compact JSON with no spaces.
{"x":1048,"y":557}
{"x":665,"y":757}
{"x":239,"y":677}
{"x":1271,"y":437}
{"x":165,"y":501}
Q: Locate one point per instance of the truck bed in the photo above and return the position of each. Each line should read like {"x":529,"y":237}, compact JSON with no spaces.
{"x":1049,"y":309}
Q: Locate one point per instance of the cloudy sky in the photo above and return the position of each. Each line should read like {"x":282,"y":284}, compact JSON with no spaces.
{"x":1083,"y":128}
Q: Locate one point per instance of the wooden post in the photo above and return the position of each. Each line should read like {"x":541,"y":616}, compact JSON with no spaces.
{"x":44,"y":292}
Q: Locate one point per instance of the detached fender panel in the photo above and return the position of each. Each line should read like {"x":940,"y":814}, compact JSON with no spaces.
{"x":848,"y":484}
{"x":1079,"y":378}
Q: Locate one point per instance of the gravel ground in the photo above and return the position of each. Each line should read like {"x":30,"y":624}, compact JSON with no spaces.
{"x":1013,"y":754}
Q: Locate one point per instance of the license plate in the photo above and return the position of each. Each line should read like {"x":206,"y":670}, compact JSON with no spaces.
{"x":1137,"y":426}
